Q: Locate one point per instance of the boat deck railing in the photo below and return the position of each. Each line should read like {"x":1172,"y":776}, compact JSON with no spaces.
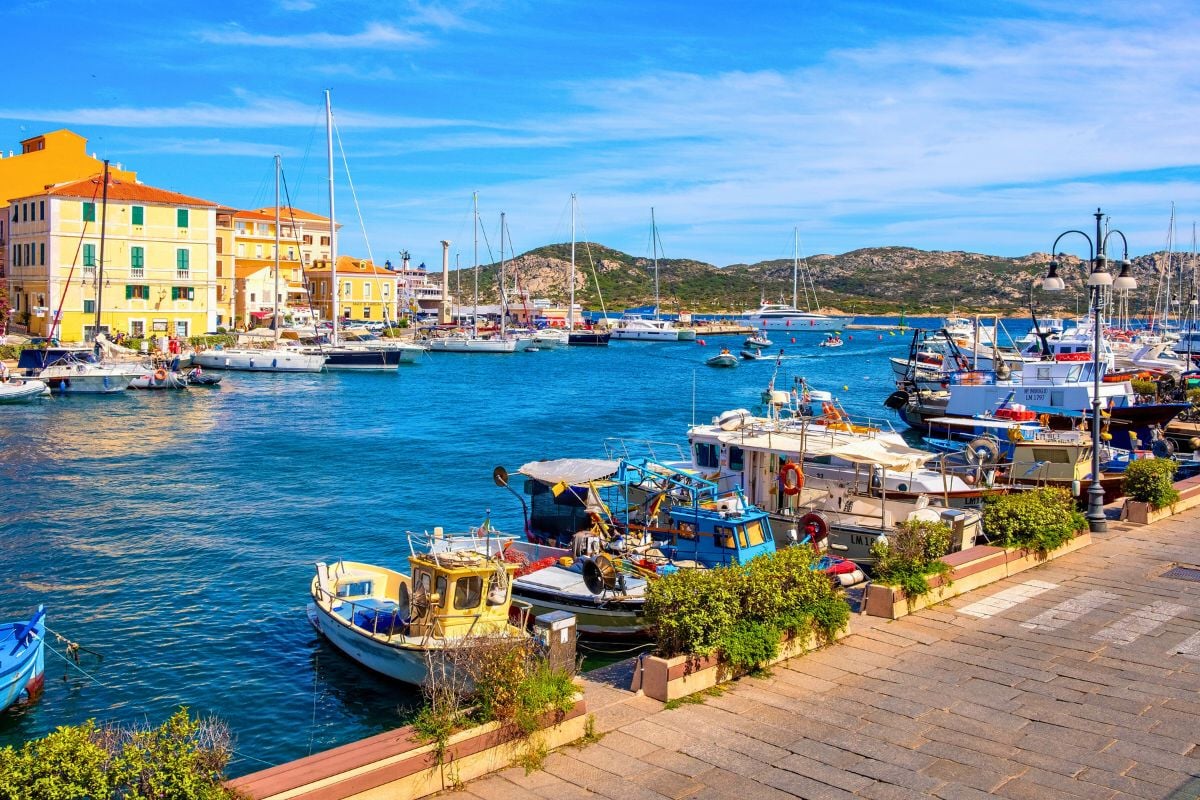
{"x":634,"y":449}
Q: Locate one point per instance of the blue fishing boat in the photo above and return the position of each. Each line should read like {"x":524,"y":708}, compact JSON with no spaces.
{"x":22,"y":664}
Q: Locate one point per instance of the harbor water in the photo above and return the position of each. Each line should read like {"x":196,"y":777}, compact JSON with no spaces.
{"x":174,"y":533}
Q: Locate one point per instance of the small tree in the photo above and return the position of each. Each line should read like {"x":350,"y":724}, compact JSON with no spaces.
{"x":911,"y":554}
{"x":1151,"y":480}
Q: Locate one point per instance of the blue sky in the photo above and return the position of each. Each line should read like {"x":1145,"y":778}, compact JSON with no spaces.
{"x":988,"y":127}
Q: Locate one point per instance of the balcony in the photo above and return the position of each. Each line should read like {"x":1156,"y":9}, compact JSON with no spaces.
{"x":137,"y":272}
{"x":183,"y":274}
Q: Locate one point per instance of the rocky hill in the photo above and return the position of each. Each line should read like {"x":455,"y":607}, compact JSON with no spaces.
{"x":873,"y":280}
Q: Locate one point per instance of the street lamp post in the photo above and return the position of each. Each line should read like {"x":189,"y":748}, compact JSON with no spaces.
{"x":1098,"y":279}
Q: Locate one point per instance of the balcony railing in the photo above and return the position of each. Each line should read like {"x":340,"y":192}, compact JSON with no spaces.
{"x":137,"y":272}
{"x":183,"y":274}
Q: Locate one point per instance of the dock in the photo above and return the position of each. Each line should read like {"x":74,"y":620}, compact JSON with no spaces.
{"x":1077,"y":679}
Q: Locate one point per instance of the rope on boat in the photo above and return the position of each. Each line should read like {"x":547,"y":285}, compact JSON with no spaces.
{"x":72,"y":663}
{"x":73,"y":648}
{"x":240,"y":754}
{"x":614,"y":652}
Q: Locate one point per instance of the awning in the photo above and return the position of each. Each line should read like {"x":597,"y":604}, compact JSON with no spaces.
{"x":886,"y":454}
{"x":571,"y":471}
{"x":262,"y":314}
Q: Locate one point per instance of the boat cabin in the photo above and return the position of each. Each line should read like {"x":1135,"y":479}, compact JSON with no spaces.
{"x":715,"y":532}
{"x":33,"y":360}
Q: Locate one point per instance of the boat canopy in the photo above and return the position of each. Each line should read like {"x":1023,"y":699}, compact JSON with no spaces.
{"x":571,"y":471}
{"x":884,"y":453}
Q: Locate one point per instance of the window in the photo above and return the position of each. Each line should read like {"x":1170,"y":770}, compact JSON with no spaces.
{"x":736,"y":458}
{"x":324,"y":240}
{"x":346,"y":289}
{"x":366,"y":312}
{"x":89,"y":212}
{"x":261,"y":229}
{"x":706,"y":455}
{"x":25,"y":212}
{"x":89,"y":306}
{"x":723,"y":537}
{"x":366,"y":291}
{"x":253,"y":297}
{"x":41,"y":209}
{"x":220,"y":245}
{"x":258,"y":251}
{"x":307,"y":239}
{"x":89,"y":255}
{"x":137,"y":257}
{"x":241,"y":227}
{"x":220,"y":293}
{"x":386,"y":290}
{"x":181,"y":328}
{"x":137,"y":327}
{"x":182,"y":259}
{"x":754,"y":533}
{"x":468,"y":592}
{"x":439,"y":588}
{"x":137,"y":292}
{"x":291,"y":253}
{"x":183,"y":293}
{"x":42,"y":253}
{"x":181,"y":218}
{"x":138,"y":215}
{"x":241,"y":251}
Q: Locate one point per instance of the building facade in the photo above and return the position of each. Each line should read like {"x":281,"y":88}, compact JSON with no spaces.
{"x":151,"y":273}
{"x":366,"y":292}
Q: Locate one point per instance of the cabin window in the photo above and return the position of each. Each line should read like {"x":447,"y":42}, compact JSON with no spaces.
{"x":440,"y":589}
{"x":724,"y":537}
{"x":737,"y":458}
{"x":491,"y":599}
{"x":468,"y":592}
{"x":89,"y":212}
{"x":421,"y":581}
{"x":1043,"y":373}
{"x":138,"y":215}
{"x":355,"y":589}
{"x":1053,"y":455}
{"x":706,"y":455}
{"x":754,"y":533}
{"x":687,"y":530}
{"x":742,"y":537}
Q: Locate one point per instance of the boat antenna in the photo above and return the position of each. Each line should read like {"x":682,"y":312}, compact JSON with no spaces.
{"x":795,"y":265}
{"x":100,"y":268}
{"x":571,"y":301}
{"x":333,"y":283}
{"x":275,"y":294}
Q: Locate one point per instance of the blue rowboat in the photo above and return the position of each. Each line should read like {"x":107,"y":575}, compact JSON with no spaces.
{"x":22,"y":665}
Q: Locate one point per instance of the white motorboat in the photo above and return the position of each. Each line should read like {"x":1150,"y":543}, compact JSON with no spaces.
{"x":757,"y":341}
{"x":81,"y":377}
{"x":832,"y":341}
{"x":468,"y":343}
{"x":160,"y":378}
{"x":283,"y":359}
{"x":645,"y":329}
{"x":22,"y":390}
{"x":722,"y":359}
{"x":789,"y":318}
{"x":551,"y":338}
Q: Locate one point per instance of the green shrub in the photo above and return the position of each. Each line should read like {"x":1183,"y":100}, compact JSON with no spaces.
{"x":542,"y":689}
{"x":1150,"y":480}
{"x":910,"y":554}
{"x":182,"y":760}
{"x":697,"y":611}
{"x":748,"y":645}
{"x":1041,"y":519}
{"x":1141,"y":386}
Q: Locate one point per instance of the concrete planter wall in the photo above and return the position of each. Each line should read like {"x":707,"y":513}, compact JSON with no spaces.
{"x":969,"y":569}
{"x":1139,"y":513}
{"x":395,"y":765}
{"x":671,"y":678}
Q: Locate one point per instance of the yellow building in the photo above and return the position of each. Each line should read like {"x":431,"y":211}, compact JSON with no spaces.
{"x":150,"y":274}
{"x":367,"y":292}
{"x":53,"y":157}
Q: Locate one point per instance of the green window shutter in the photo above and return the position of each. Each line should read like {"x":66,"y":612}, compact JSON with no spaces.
{"x":174,"y":292}
{"x":128,"y":292}
{"x":181,"y":217}
{"x":146,"y":292}
{"x":89,"y":212}
{"x":181,"y":259}
{"x":137,"y":257}
{"x":139,"y":215}
{"x":89,"y":255}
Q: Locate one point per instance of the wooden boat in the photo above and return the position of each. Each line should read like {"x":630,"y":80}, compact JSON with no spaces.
{"x":22,"y":659}
{"x":399,"y":625}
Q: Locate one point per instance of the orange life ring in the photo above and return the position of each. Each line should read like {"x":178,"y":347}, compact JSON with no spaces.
{"x":160,"y":374}
{"x":791,"y":478}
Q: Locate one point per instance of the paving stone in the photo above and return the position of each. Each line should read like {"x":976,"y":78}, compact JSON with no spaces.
{"x":964,"y":753}
{"x":834,"y":776}
{"x":900,"y":776}
{"x":677,"y":762}
{"x":562,"y":790}
{"x":668,"y":784}
{"x":493,"y":787}
{"x":824,"y":753}
{"x":609,"y":760}
{"x":972,"y":776}
{"x":1024,"y":789}
{"x":890,"y":791}
{"x":631,"y":746}
{"x":728,"y":784}
{"x":1122,"y":783}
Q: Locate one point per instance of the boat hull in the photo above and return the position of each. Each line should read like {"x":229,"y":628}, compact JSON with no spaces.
{"x":406,"y":664}
{"x":589,"y":338}
{"x":594,"y":619}
{"x":260,"y":360}
{"x":22,"y":392}
{"x":78,"y":383}
{"x":640,"y":335}
{"x":798,"y":323}
{"x":381,"y":358}
{"x":454,"y":345}
{"x":22,"y":665}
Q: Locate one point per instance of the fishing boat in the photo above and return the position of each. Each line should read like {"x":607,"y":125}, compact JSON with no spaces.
{"x":274,"y":359}
{"x":22,"y":659}
{"x":597,"y":530}
{"x":789,"y":318}
{"x":722,"y":359}
{"x":399,"y":625}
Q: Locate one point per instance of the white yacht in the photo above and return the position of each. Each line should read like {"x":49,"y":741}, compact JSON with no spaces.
{"x":256,"y":360}
{"x":780,"y":317}
{"x":646,"y":329}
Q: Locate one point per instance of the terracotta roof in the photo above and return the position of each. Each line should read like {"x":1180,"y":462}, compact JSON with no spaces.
{"x":349,"y":266}
{"x":285,"y":212}
{"x":119,"y":190}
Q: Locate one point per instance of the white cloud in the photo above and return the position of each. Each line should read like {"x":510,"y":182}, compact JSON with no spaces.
{"x":297,"y":5}
{"x":375,"y":35}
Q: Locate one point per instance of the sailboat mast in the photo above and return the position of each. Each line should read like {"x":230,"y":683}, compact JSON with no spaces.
{"x":503,"y":284}
{"x":275,"y":294}
{"x":571,"y":302}
{"x":795,"y":265}
{"x":100,"y":268}
{"x":475,"y":308}
{"x":333,"y":279}
{"x":654,"y":246}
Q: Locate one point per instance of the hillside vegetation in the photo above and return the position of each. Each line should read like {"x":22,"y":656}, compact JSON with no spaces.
{"x":873,"y":280}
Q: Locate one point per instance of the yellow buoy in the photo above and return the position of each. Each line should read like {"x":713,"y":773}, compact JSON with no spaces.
{"x":845,"y":388}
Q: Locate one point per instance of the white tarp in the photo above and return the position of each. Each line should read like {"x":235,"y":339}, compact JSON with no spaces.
{"x":571,"y":471}
{"x":887,"y":454}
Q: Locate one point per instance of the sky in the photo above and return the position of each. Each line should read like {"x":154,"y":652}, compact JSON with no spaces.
{"x":988,"y":127}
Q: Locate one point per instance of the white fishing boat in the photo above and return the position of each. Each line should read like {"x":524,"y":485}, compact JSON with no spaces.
{"x":400,"y":625}
{"x":790,"y":319}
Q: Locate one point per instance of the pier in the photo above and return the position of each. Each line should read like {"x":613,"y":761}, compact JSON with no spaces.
{"x":1078,"y":679}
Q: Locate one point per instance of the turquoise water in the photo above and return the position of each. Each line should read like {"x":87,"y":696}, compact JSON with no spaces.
{"x":174,"y":533}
